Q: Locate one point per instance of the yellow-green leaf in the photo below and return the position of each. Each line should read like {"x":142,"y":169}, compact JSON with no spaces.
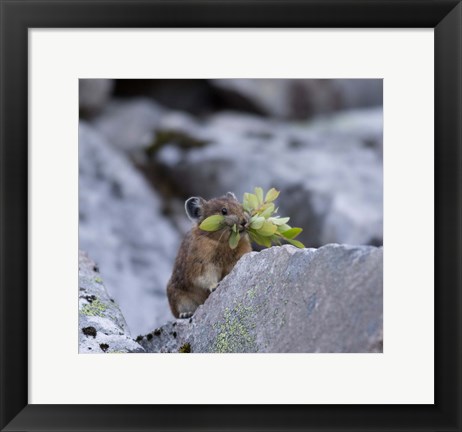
{"x":283,"y":228}
{"x":253,"y":201}
{"x":264,"y":227}
{"x":257,"y":222}
{"x":267,"y":229}
{"x":212,"y":223}
{"x":292,"y":233}
{"x":296,"y":243}
{"x":279,"y":221}
{"x":269,"y":209}
{"x":259,"y":195}
{"x":246,"y":203}
{"x":234,"y":240}
{"x":271,"y":195}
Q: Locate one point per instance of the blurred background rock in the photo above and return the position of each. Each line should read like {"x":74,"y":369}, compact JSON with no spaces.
{"x":147,"y":145}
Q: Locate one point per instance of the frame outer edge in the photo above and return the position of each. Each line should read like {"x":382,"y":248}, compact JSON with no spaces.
{"x":448,"y":216}
{"x":13,"y":242}
{"x":13,"y":216}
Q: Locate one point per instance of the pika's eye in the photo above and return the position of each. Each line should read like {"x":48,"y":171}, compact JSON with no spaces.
{"x":224,"y":211}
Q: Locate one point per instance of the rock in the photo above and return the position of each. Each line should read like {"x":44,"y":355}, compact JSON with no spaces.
{"x":94,"y":94}
{"x":102,"y":328}
{"x":130,"y":125}
{"x":298,"y":98}
{"x":285,"y":299}
{"x":121,"y":226}
{"x":364,"y":126}
{"x":329,"y":171}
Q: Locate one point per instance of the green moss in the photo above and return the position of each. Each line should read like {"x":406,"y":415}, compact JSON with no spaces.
{"x":98,"y":280}
{"x":95,"y":308}
{"x":234,"y":333}
{"x":180,"y":139}
{"x":185,"y":348}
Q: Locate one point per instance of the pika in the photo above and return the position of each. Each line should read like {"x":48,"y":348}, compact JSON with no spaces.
{"x":205,"y":258}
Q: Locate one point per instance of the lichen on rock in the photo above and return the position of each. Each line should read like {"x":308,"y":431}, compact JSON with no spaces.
{"x":285,"y":299}
{"x":102,"y":327}
{"x":282,"y":299}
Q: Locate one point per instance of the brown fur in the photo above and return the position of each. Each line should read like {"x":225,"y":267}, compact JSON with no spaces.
{"x":205,"y":258}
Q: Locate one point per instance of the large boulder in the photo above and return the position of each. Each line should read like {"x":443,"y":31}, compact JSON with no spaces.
{"x":122,"y":227}
{"x":129,"y":125}
{"x":285,"y":299}
{"x":102,"y":327}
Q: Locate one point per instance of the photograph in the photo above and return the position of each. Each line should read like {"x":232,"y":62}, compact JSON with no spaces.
{"x":230,"y":216}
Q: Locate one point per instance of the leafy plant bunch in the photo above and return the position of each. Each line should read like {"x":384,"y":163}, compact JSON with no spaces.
{"x":264,"y":228}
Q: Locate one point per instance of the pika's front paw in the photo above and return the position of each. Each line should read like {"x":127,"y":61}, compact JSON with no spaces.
{"x":184,"y":315}
{"x":213,"y":288}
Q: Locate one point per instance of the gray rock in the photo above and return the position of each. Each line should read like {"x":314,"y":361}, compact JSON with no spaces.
{"x":129,"y":125}
{"x":285,"y":299}
{"x":122,"y":228}
{"x":94,"y":94}
{"x":363,"y":126}
{"x":329,"y":171}
{"x":102,"y":328}
{"x":299,"y":98}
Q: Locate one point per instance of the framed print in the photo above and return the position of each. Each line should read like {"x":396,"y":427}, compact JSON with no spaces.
{"x":120,"y":120}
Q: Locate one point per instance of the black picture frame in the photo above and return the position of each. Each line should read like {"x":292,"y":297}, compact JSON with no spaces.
{"x":17,"y":16}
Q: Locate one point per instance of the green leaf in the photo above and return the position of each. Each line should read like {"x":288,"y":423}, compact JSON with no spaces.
{"x":279,"y":221}
{"x":292,"y":233}
{"x":234,"y":240}
{"x":246,"y":203}
{"x":276,"y":239}
{"x":296,"y":243}
{"x":283,"y":228}
{"x":250,"y":202}
{"x":259,"y":195}
{"x":253,"y":201}
{"x":267,"y":229}
{"x":234,"y":228}
{"x":269,"y":209}
{"x":271,"y":195}
{"x":257,"y":222}
{"x":212,"y":223}
{"x":257,"y":238}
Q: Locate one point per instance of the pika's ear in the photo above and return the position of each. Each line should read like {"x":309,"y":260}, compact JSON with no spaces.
{"x":193,"y":207}
{"x":231,"y":195}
